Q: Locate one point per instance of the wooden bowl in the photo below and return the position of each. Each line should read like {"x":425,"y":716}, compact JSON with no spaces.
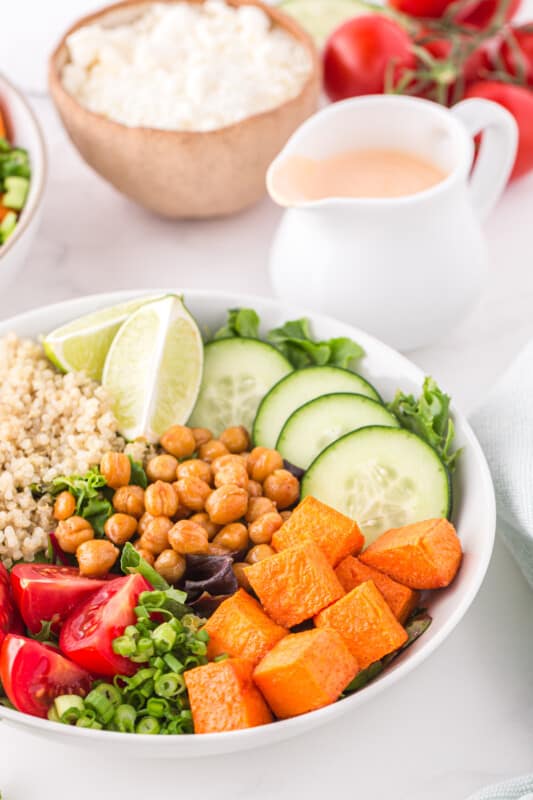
{"x":184,"y":173}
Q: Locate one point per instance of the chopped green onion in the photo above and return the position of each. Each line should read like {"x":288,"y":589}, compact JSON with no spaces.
{"x":88,"y":722}
{"x":139,"y":678}
{"x":157,"y":707}
{"x":169,"y":685}
{"x":172,"y":662}
{"x":221,"y":657}
{"x":148,"y":725}
{"x":101,"y":705}
{"x":164,"y":638}
{"x":124,"y":719}
{"x":124,"y":646}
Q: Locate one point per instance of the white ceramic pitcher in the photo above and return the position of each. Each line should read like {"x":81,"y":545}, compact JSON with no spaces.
{"x":407,"y":268}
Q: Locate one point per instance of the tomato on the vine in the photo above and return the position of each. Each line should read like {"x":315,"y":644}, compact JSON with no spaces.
{"x":516,"y":52}
{"x":478,"y":14}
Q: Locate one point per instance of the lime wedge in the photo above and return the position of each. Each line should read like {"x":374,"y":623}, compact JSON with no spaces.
{"x":320,"y":17}
{"x":154,"y":369}
{"x":83,"y":344}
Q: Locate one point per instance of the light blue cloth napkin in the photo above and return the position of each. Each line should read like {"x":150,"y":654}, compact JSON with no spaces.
{"x":516,"y":789}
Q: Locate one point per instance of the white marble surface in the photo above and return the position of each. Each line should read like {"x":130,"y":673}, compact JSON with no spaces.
{"x":461,"y":720}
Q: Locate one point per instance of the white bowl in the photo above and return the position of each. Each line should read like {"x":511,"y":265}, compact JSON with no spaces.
{"x":25,"y":132}
{"x":474,"y":516}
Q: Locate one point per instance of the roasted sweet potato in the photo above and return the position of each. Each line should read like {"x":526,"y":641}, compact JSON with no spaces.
{"x":294,"y":585}
{"x":305,"y":671}
{"x":240,"y":627}
{"x":223,"y":697}
{"x":335,"y":534}
{"x":366,"y":622}
{"x":402,"y":600}
{"x":426,"y":555}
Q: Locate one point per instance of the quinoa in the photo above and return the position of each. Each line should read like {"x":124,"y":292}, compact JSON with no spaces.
{"x":50,"y":424}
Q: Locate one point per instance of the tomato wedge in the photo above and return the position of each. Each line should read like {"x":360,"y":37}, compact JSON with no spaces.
{"x":9,"y":618}
{"x":48,"y":592}
{"x":88,"y":633}
{"x":33,"y":674}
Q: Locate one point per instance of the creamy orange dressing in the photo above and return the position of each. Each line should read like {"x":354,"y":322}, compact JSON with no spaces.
{"x":355,"y":173}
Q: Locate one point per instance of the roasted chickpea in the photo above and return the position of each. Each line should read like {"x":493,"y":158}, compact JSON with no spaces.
{"x":239,"y":570}
{"x":155,"y":536}
{"x":129,"y":500}
{"x":236,"y":439}
{"x":146,"y":554}
{"x":264,"y":527}
{"x":259,"y":553}
{"x":211,"y":450}
{"x":192,"y":493}
{"x":187,"y":537}
{"x":262,"y":462}
{"x":143,"y":522}
{"x":116,"y":469}
{"x":257,"y":506}
{"x":179,"y":441}
{"x":285,"y":515}
{"x":227,"y":459}
{"x":233,"y":537}
{"x":170,"y":565}
{"x":227,"y":504}
{"x":217,"y":550}
{"x":236,"y":474}
{"x":96,"y":557}
{"x":203,"y":520}
{"x":254,"y":489}
{"x":162,"y":468}
{"x":201,"y":436}
{"x":195,"y":468}
{"x":64,"y":506}
{"x":72,"y":532}
{"x":282,"y":488}
{"x":161,"y":500}
{"x":119,"y":528}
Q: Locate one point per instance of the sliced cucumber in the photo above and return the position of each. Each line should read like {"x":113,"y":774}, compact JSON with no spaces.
{"x":321,"y":17}
{"x":298,"y":388}
{"x":381,"y":477}
{"x":325,"y":419}
{"x":237,"y":375}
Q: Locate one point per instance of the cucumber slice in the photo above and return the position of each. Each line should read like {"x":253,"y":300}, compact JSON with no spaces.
{"x":382,"y":477}
{"x":322,"y":421}
{"x":237,"y":375}
{"x":320,"y":17}
{"x":298,"y":388}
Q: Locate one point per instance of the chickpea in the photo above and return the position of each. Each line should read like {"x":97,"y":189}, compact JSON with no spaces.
{"x":129,"y":500}
{"x":285,"y":515}
{"x":146,"y":554}
{"x":264,"y":527}
{"x":96,"y":557}
{"x":217,"y":550}
{"x":282,"y":488}
{"x":116,"y":469}
{"x":236,"y":474}
{"x":257,"y":506}
{"x":170,"y":565}
{"x":259,"y":553}
{"x":203,"y":520}
{"x":201,"y":436}
{"x":211,"y":450}
{"x":179,"y":441}
{"x":187,"y":537}
{"x":72,"y":532}
{"x":195,"y":468}
{"x":183,"y":512}
{"x":236,"y":439}
{"x":162,"y":468}
{"x":64,"y":506}
{"x":233,"y":537}
{"x":227,"y":504}
{"x":155,"y":537}
{"x":254,"y":489}
{"x":143,"y":522}
{"x":119,"y":528}
{"x":226,"y":460}
{"x":161,"y":499}
{"x":193,"y":493}
{"x":262,"y":462}
{"x":239,"y":570}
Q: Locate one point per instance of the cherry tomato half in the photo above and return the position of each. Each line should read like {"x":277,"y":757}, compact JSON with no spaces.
{"x":33,"y":674}
{"x":48,"y":592}
{"x":88,"y":633}
{"x":10,"y":621}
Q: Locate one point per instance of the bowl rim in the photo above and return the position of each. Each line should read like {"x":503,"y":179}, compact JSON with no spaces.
{"x":277,"y":16}
{"x":29,"y":210}
{"x":261,"y":735}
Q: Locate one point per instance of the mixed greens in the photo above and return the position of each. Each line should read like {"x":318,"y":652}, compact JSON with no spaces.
{"x":15,"y":173}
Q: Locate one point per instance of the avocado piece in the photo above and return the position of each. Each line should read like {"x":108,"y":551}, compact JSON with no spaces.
{"x":16,"y":191}
{"x":7,"y":226}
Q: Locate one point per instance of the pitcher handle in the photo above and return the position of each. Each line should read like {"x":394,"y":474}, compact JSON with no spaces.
{"x":497,"y":152}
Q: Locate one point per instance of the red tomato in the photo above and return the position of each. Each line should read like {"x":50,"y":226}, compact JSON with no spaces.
{"x":33,"y":674}
{"x":45,"y":592}
{"x":518,"y":55}
{"x":476,"y":14}
{"x":359,"y":54}
{"x":87,"y":635}
{"x":519,"y":101}
{"x":9,"y":618}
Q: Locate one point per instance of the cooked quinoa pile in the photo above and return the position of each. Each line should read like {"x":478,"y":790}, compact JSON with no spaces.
{"x":50,"y":425}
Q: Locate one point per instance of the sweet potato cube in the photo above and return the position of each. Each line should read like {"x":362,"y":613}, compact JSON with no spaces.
{"x":296,"y":584}
{"x":223,"y":697}
{"x":402,"y":601}
{"x":425,"y":555}
{"x":305,"y":671}
{"x":240,"y":627}
{"x":366,"y":622}
{"x":336,"y":535}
